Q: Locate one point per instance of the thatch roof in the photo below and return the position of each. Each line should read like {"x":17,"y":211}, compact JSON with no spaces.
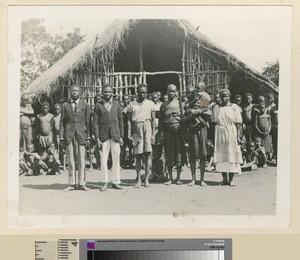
{"x":114,"y":36}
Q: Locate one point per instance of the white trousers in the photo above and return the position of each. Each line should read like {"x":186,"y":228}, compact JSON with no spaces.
{"x":76,"y":153}
{"x":114,"y":148}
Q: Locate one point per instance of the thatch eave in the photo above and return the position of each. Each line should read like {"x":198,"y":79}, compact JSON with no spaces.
{"x":113,"y":36}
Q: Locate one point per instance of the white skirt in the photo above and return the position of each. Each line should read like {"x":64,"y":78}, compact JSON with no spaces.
{"x":228,"y":167}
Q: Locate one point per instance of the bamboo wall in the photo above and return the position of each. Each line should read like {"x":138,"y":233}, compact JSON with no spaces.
{"x":200,"y":67}
{"x":98,"y":71}
{"x":197,"y":66}
{"x":95,"y":73}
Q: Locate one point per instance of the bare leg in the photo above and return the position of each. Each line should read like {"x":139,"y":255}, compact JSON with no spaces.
{"x":97,"y":156}
{"x":91,"y":160}
{"x":178,"y":182}
{"x":202,"y":171}
{"x":64,"y":161}
{"x":231,"y":183}
{"x":193,"y":172}
{"x":147,"y":163}
{"x":170,"y":175}
{"x":138,"y":159}
{"x":224,"y":181}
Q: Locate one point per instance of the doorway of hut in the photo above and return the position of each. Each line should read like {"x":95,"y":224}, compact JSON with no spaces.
{"x":159,"y":82}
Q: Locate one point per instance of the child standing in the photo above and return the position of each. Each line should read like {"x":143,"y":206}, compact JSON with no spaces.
{"x":45,"y":122}
{"x":26,"y":111}
{"x":56,"y":120}
{"x":272,"y":110}
{"x":243,"y":147}
{"x":237,"y":99}
{"x":263,"y":128}
{"x":248,"y":117}
{"x":210,"y":156}
{"x":90,"y":147}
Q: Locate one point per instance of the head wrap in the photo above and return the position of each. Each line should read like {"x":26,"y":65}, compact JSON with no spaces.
{"x":224,"y":90}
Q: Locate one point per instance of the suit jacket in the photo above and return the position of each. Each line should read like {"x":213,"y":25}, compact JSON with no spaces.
{"x":108,"y":124}
{"x":74,"y":123}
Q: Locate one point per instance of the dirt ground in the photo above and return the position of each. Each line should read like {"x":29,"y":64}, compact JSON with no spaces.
{"x":255,"y":194}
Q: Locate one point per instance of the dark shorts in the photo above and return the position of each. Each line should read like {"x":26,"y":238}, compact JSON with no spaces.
{"x":197,"y":139}
{"x":174,"y":149}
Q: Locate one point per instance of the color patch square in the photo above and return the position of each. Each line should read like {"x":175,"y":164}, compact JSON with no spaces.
{"x":90,"y":245}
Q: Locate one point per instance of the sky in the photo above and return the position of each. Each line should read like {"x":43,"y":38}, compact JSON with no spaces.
{"x":253,"y":34}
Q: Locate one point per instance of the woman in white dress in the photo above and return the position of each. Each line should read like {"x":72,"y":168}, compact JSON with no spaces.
{"x":227,"y":155}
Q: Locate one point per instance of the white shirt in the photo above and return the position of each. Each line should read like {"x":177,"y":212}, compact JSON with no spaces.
{"x":141,"y":111}
{"x":108,"y":104}
{"x":75,"y":102}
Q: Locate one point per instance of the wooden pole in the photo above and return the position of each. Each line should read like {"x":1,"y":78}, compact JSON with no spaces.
{"x":183,"y":65}
{"x":121,"y":83}
{"x":117,"y":82}
{"x":191,"y":62}
{"x":130,"y":83}
{"x":141,"y":64}
{"x":135,"y":85}
{"x":181,"y":90}
{"x":113,"y":64}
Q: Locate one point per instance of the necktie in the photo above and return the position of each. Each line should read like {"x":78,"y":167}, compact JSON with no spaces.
{"x":74,"y":107}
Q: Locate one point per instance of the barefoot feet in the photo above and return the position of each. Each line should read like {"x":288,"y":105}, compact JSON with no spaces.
{"x":192,"y":183}
{"x":202,"y":183}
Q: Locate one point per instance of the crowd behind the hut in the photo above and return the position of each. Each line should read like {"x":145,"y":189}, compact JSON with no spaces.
{"x":42,"y":151}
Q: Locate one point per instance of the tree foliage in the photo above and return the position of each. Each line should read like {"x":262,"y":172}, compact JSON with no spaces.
{"x":271,"y":71}
{"x":40,"y":50}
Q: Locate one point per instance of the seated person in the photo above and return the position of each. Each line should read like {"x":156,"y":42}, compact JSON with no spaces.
{"x":251,"y":158}
{"x":30,"y":162}
{"x":50,"y":161}
{"x":262,"y":157}
{"x":23,"y":168}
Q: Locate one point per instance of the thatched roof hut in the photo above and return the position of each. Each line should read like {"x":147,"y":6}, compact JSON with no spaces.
{"x":156,"y":52}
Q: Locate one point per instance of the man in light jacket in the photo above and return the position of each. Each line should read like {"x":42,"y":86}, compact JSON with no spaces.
{"x":109,"y":130}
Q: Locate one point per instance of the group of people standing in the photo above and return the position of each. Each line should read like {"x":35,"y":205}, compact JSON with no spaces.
{"x":183,"y":130}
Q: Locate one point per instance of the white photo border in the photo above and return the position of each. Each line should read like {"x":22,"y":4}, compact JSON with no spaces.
{"x":282,"y":217}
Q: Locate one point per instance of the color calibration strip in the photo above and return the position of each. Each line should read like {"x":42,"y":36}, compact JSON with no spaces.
{"x":68,"y":249}
{"x":156,"y":255}
{"x":45,"y":250}
{"x":134,"y":249}
{"x":61,"y":249}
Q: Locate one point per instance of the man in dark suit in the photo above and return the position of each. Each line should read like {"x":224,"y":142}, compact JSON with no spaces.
{"x":109,"y":130}
{"x":74,"y":134}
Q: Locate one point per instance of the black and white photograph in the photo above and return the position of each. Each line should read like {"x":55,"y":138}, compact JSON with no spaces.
{"x":131,"y":116}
